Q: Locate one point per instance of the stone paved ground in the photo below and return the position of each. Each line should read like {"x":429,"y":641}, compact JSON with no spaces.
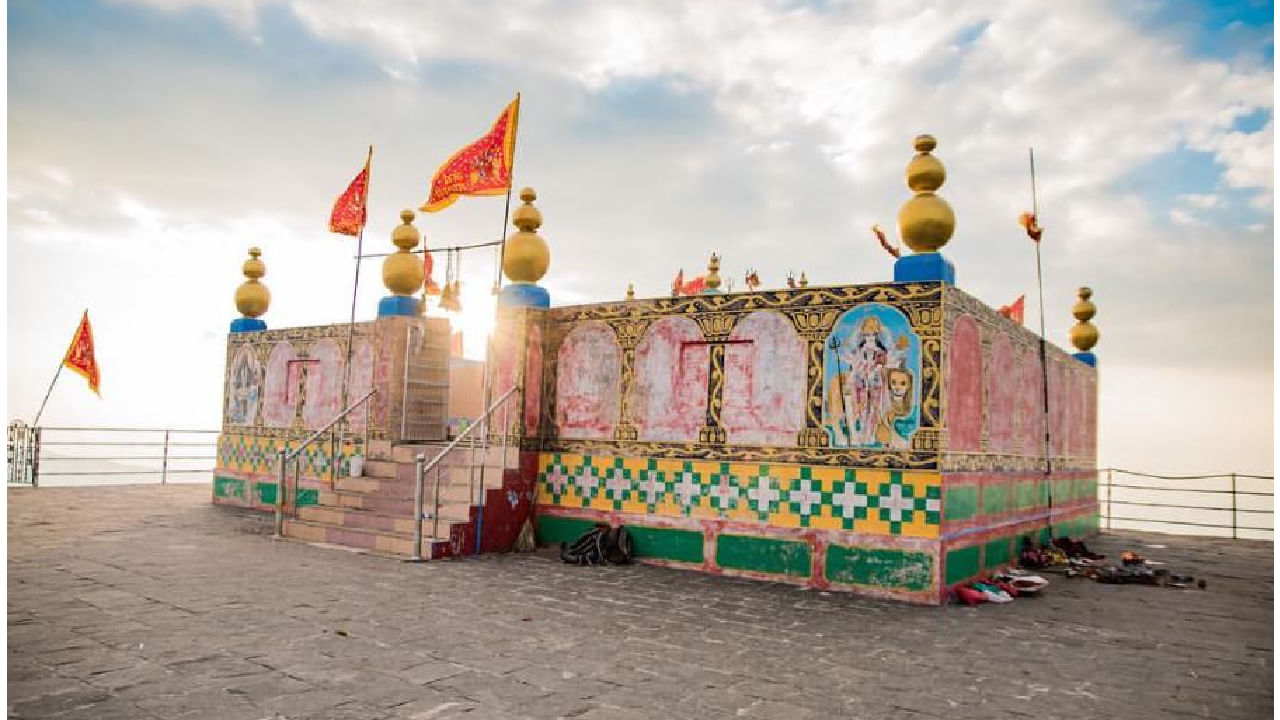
{"x":148,"y":602}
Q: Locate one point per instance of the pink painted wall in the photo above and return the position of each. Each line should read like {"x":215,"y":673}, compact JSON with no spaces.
{"x":764,"y":381}
{"x":588,"y":382}
{"x":324,"y":384}
{"x":280,"y":396}
{"x":361,"y":381}
{"x":1002,"y":379}
{"x":964,"y":386}
{"x":533,"y":381}
{"x":1030,"y":404}
{"x":669,"y":396}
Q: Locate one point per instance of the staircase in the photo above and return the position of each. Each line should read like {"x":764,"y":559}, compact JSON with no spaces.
{"x":374,"y":513}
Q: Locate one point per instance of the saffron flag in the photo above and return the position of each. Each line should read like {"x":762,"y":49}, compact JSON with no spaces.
{"x":481,"y":168}
{"x":79,"y":357}
{"x":1015,"y":310}
{"x":1031,"y":224}
{"x":350,"y":210}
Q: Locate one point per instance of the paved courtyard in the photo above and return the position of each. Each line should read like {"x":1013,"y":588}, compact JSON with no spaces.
{"x":148,"y":602}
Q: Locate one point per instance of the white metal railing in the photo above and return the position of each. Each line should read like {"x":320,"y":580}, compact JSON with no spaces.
{"x":39,"y":453}
{"x":1191,"y":503}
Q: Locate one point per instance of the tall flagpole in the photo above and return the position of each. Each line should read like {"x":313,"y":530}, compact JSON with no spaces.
{"x":36,"y":422}
{"x":506,"y":214}
{"x":355,"y":284}
{"x":1044,"y":363}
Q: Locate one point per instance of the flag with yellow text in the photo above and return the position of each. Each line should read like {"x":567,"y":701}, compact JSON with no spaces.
{"x":350,"y":210}
{"x":79,"y":357}
{"x":481,"y":168}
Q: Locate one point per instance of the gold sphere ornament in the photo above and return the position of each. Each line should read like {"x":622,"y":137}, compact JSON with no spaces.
{"x":631,"y":291}
{"x":402,"y":271}
{"x":712,"y":280}
{"x":1084,"y":335}
{"x":526,"y":257}
{"x":252,"y":297}
{"x":926,"y":221}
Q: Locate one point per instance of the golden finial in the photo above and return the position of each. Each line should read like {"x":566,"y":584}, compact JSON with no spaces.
{"x":402,"y":271}
{"x":631,"y":291}
{"x":1084,"y":335}
{"x":252,"y":297}
{"x":526,"y":257}
{"x":926,"y":221}
{"x":804,"y":279}
{"x":713,"y":273}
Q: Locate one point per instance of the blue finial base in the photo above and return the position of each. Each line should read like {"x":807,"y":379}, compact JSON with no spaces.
{"x":524,"y":295}
{"x":247,"y":324}
{"x":1087,"y":358}
{"x":924,"y":267}
{"x":393,"y":305}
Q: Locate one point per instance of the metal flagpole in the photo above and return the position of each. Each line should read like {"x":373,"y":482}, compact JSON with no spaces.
{"x":36,"y":422}
{"x":506,"y":214}
{"x":355,"y":285}
{"x":1044,"y":363}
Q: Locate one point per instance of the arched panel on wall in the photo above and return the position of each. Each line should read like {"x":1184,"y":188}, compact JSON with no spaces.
{"x":1002,"y":386}
{"x":588,"y":374}
{"x":1030,"y":403}
{"x":533,"y":380}
{"x":324,"y":383}
{"x":280,"y":392}
{"x":669,"y":395}
{"x":1091,"y":418}
{"x":361,"y":382}
{"x":244,"y":388}
{"x":764,"y":391}
{"x":964,"y":386}
{"x":1058,"y":395}
{"x":871,"y":379}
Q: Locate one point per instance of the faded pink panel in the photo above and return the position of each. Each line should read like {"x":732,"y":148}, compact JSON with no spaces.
{"x":1030,"y":403}
{"x":280,"y":395}
{"x":764,"y":388}
{"x":1002,"y":387}
{"x":1076,"y":416}
{"x":669,"y":397}
{"x":533,"y":381}
{"x":964,"y":386}
{"x":506,"y":355}
{"x":588,"y":371}
{"x":1057,"y":407}
{"x":324,"y":384}
{"x":1091,"y":419}
{"x":361,"y":382}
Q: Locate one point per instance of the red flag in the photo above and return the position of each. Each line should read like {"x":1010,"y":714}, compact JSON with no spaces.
{"x":79,"y":357}
{"x":429,"y":285}
{"x":1014,"y":310}
{"x":350,"y":210}
{"x":1029,"y":223}
{"x":481,"y":168}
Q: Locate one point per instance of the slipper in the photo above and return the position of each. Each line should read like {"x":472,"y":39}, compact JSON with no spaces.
{"x":1029,"y":584}
{"x":969,"y":596}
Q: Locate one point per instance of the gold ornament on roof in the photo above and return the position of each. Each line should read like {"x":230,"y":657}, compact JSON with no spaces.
{"x":804,"y":279}
{"x":526,"y":257}
{"x":713,"y":273}
{"x":402,"y":271}
{"x":926,"y":221}
{"x":252,"y":297}
{"x":631,"y":291}
{"x":1084,"y":335}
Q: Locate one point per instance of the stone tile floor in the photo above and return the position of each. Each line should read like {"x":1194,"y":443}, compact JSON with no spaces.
{"x":148,"y":602}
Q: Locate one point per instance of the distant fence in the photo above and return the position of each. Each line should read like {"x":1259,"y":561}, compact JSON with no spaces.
{"x":1235,"y":505}
{"x":108,"y":455}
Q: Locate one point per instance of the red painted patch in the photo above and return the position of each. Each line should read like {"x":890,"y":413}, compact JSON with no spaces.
{"x":588,"y":371}
{"x":533,"y":381}
{"x":1030,"y":422}
{"x":764,"y":381}
{"x":669,"y":399}
{"x":1002,"y":385}
{"x":964,"y":386}
{"x":280,"y":398}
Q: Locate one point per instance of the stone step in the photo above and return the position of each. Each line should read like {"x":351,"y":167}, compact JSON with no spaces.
{"x":403,"y":486}
{"x":454,"y":506}
{"x":388,"y":543}
{"x":344,"y":517}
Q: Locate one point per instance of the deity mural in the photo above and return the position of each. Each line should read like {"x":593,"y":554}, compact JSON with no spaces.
{"x":244,"y":387}
{"x":871,"y":367}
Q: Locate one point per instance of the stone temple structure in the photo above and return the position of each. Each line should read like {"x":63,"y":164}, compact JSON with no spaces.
{"x":889,"y":439}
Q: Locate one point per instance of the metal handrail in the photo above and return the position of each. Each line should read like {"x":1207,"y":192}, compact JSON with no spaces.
{"x":165,"y":459}
{"x":1145,"y":501}
{"x":131,"y":429}
{"x":422,"y":468}
{"x":287,"y":455}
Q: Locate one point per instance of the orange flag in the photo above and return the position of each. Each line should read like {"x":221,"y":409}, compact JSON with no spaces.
{"x":79,"y":357}
{"x":1015,"y":310}
{"x":481,"y":168}
{"x":350,"y":210}
{"x":1031,"y":224}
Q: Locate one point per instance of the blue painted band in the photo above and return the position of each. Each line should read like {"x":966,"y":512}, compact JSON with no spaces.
{"x":392,"y":305}
{"x":524,"y":295}
{"x":247,"y":324}
{"x":924,"y":267}
{"x":1087,"y":358}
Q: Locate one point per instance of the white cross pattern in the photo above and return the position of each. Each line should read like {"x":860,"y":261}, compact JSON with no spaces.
{"x":688,"y":488}
{"x":617,"y":483}
{"x":586,"y":481}
{"x":650,"y":486}
{"x":806,"y":496}
{"x":725,"y":492}
{"x":557,"y":479}
{"x":849,"y":500}
{"x":895,"y":503}
{"x":933,"y":505}
{"x":763,"y":494}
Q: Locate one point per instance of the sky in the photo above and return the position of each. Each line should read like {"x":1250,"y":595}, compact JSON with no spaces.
{"x":152,"y":142}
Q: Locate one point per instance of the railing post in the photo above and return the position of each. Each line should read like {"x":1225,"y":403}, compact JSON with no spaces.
{"x":418,"y":463}
{"x":1234,"y":529}
{"x":435,"y":510}
{"x":35,"y":458}
{"x":1109,"y":481}
{"x":164,"y":463}
{"x":280,"y":497}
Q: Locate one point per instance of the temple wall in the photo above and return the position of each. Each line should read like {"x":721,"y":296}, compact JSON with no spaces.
{"x":281,"y":385}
